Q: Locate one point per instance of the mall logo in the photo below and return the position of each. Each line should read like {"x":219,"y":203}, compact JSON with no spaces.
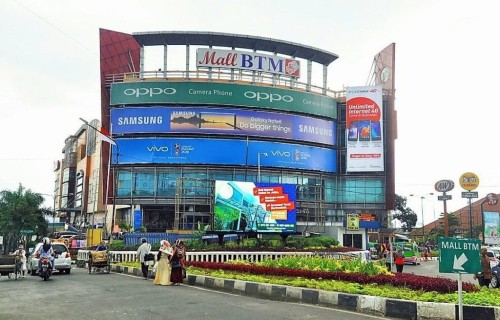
{"x":245,"y":60}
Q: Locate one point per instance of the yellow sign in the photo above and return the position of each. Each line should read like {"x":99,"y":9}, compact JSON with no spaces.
{"x":469,"y":181}
{"x":352,"y":222}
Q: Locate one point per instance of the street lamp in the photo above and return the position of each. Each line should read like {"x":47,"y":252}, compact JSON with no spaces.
{"x":422,"y":197}
{"x":53,"y":210}
{"x":258,"y":164}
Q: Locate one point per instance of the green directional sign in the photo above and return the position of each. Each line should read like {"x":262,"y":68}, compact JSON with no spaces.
{"x":25,"y":231}
{"x":459,"y":255}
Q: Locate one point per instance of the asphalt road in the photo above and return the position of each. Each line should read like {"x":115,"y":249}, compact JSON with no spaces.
{"x":431,"y":268}
{"x":118,"y":296}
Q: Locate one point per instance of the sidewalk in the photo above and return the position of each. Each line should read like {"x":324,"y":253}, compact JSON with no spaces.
{"x":379,"y":306}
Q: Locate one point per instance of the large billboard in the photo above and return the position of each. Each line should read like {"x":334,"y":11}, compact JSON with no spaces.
{"x":259,"y":207}
{"x":491,"y":227}
{"x":156,"y":92}
{"x":364,"y":128}
{"x":223,"y":152}
{"x":198,"y":119}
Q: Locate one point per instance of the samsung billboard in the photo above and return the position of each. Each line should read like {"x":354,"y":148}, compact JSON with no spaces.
{"x":223,"y":152}
{"x":258,"y":207}
{"x":126,"y":93}
{"x":199,"y":119}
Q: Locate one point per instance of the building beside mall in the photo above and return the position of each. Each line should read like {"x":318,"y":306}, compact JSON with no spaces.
{"x":241,"y":109}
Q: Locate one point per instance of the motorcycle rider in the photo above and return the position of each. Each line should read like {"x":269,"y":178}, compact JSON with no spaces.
{"x":46,"y":251}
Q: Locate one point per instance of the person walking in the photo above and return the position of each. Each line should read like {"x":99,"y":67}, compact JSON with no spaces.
{"x":178,"y":262}
{"x":484,"y":278}
{"x":399,"y":260}
{"x":143,"y":250}
{"x":163,"y":270}
{"x":21,"y":254}
{"x":388,"y":260}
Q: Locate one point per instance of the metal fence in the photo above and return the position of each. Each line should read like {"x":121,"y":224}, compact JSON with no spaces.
{"x":224,"y":256}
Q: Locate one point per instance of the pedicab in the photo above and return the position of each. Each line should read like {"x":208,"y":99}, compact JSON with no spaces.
{"x":99,"y":261}
{"x":10,"y":265}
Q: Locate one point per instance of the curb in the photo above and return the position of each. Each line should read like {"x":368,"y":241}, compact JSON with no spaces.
{"x":371,"y":305}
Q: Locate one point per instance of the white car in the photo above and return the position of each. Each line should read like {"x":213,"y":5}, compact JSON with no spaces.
{"x":62,"y":258}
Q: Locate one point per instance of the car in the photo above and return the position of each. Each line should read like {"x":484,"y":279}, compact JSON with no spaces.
{"x":495,"y":277}
{"x":63,"y":258}
{"x":493,"y":259}
{"x":495,"y":250}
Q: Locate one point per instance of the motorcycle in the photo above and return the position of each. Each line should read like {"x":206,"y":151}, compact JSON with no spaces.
{"x":46,"y":269}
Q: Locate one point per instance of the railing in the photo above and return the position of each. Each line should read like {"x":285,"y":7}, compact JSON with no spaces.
{"x":221,"y":76}
{"x":224,"y":256}
{"x":132,"y":239}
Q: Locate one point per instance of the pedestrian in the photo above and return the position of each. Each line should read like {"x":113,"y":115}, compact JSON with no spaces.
{"x":178,"y":262}
{"x":21,"y":254}
{"x":101,"y":247}
{"x":143,"y":249}
{"x":399,"y":260}
{"x":484,"y":277}
{"x":163,"y":269}
{"x":388,"y":260}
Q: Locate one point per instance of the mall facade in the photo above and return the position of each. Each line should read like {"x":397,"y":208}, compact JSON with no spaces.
{"x":243,"y":108}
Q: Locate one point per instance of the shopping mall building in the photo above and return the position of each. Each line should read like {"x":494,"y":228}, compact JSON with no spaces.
{"x":242,"y":110}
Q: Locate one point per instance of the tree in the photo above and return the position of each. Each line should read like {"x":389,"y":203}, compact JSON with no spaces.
{"x":21,"y":209}
{"x":404,"y":214}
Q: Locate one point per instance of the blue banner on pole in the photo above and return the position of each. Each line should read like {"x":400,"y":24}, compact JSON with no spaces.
{"x":137,"y":219}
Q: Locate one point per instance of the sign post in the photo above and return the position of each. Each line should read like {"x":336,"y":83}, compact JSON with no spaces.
{"x":469,"y":181}
{"x":459,"y":256}
{"x":444,"y":186}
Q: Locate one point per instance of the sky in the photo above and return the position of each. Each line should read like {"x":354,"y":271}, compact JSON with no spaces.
{"x":447,"y":66}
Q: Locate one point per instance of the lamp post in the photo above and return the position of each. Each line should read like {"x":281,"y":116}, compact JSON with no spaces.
{"x":258,"y":164}
{"x":112,"y":143}
{"x":53,"y":210}
{"x":422,"y":197}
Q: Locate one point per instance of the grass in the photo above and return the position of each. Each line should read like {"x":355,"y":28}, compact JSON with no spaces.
{"x":484,"y":297}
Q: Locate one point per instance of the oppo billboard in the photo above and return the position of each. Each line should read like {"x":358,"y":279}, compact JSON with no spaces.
{"x":126,"y":93}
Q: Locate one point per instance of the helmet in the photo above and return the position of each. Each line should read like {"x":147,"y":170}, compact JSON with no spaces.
{"x":46,"y":240}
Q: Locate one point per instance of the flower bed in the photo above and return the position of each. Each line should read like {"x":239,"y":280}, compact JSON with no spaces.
{"x":411,"y":281}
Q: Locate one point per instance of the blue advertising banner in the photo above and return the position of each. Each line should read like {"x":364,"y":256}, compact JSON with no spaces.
{"x":249,"y":206}
{"x":198,"y":119}
{"x":223,"y":152}
{"x":137,"y":219}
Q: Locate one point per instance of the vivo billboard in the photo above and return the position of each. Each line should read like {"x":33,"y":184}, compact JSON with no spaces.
{"x":200,"y":120}
{"x":222,"y":94}
{"x":223,"y":152}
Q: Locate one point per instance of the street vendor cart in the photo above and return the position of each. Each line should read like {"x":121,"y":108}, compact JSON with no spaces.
{"x":10,"y":265}
{"x":99,"y":261}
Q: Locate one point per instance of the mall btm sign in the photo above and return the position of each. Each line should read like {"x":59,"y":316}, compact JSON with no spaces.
{"x":459,"y":255}
{"x":253,"y":61}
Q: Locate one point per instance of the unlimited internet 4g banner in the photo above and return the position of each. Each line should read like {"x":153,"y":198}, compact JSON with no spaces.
{"x":365,"y":146}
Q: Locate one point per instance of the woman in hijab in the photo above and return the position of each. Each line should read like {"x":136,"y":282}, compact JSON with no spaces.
{"x":163,"y":269}
{"x":178,"y":262}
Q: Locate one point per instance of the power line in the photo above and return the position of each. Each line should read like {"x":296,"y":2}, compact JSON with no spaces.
{"x":57,"y":28}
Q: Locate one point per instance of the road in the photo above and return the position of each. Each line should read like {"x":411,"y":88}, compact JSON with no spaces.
{"x":431,"y":268}
{"x":119,"y":296}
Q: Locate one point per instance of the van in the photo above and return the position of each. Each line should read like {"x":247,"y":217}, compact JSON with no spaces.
{"x":410,"y":250}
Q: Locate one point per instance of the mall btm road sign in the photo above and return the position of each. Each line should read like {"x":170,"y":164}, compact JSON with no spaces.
{"x":457,"y":255}
{"x":26,"y":231}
